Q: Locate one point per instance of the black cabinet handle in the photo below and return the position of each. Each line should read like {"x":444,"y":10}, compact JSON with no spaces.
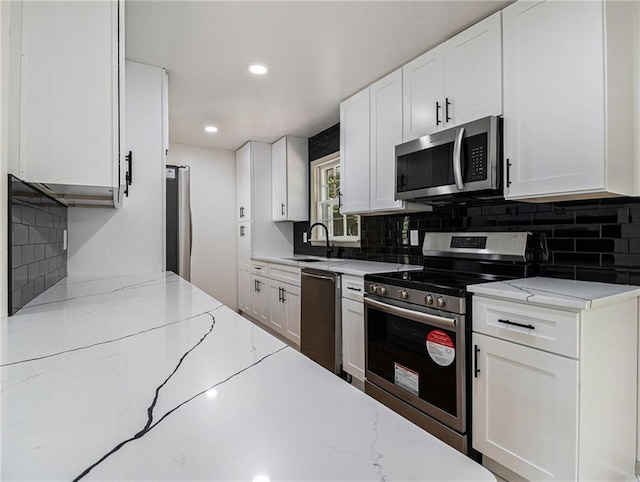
{"x":521,"y":325}
{"x":353,"y":289}
{"x":508,"y":173}
{"x":438,"y":121}
{"x":282,"y":209}
{"x":284,"y":292}
{"x":475,"y":361}
{"x":129,"y":174}
{"x":258,"y":286}
{"x":446,"y":109}
{"x":241,"y":230}
{"x":130,"y":167}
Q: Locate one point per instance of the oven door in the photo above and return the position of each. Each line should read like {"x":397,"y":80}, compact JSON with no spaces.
{"x":418,"y":354}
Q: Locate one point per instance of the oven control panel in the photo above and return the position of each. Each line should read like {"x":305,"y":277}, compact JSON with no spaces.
{"x":451,"y":304}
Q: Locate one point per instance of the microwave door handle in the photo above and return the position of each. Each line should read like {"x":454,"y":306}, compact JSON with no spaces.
{"x":457,"y":159}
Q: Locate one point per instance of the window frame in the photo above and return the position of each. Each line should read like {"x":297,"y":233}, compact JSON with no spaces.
{"x":318,"y":235}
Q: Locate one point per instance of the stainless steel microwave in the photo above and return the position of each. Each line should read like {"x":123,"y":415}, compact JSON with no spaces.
{"x":462,"y":162}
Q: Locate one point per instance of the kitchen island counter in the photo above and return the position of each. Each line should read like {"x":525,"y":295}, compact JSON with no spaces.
{"x":147,"y":378}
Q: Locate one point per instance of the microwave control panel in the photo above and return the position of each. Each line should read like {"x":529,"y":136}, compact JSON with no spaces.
{"x":477,"y":158}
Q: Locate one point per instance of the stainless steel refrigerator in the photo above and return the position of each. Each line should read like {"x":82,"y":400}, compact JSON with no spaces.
{"x":178,"y":221}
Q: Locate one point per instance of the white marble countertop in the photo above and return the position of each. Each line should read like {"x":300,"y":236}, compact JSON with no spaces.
{"x":557,"y":293}
{"x":147,"y":378}
{"x":354,"y":267}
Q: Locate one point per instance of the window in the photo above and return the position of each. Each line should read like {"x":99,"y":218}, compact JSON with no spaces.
{"x":344,"y":229}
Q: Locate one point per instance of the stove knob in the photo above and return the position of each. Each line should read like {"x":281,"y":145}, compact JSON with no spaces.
{"x":373,"y":289}
{"x":428,"y":300}
{"x":440,"y":302}
{"x":403,"y":294}
{"x":382,"y":290}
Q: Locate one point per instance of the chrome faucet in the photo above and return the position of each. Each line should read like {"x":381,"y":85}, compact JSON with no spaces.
{"x":326,"y":230}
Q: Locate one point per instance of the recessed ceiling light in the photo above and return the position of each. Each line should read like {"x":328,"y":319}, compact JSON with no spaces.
{"x":257,"y":69}
{"x":211,"y":129}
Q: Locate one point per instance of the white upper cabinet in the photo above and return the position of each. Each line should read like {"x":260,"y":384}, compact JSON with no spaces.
{"x":290,"y":178}
{"x":456,"y":82}
{"x":423,"y":94}
{"x":569,"y":99}
{"x":243,"y":182}
{"x":72,"y":97}
{"x":354,"y":153}
{"x":370,"y":129}
{"x":386,"y":132}
{"x":473,"y":73}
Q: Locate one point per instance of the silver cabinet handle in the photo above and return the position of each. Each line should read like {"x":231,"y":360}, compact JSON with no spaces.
{"x":420,"y":317}
{"x":457,"y":159}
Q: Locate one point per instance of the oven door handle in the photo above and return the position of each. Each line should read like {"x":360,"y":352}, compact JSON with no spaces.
{"x":419,"y":316}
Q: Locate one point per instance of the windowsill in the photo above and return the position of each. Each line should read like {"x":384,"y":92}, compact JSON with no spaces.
{"x":336,"y":243}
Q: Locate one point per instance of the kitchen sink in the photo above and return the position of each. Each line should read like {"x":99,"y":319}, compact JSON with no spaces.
{"x":317,"y":260}
{"x":307,"y":260}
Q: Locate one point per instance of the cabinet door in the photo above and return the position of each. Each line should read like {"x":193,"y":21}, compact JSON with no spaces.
{"x":525,"y":409}
{"x":277,"y":308}
{"x":243,"y":183}
{"x":473,"y":72}
{"x":244,"y":243}
{"x":70,"y":109}
{"x":279,"y":180}
{"x":244,"y":289}
{"x":553,"y":98}
{"x":386,"y":133}
{"x":353,"y":338}
{"x":423,"y":94}
{"x":291,"y":302}
{"x":260,"y":298}
{"x":354,"y":153}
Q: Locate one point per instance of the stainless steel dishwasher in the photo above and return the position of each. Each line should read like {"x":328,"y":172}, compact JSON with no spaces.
{"x":320,"y":324}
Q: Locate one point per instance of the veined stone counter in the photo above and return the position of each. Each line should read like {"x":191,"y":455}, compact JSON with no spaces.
{"x":147,"y":378}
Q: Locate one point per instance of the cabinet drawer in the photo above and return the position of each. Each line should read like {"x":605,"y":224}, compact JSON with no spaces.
{"x":547,"y":329}
{"x":258,"y":268}
{"x":285,"y":273}
{"x":352,"y":287}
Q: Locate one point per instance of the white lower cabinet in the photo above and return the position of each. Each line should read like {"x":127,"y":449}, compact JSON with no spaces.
{"x":244,"y":289}
{"x":270,"y":293}
{"x":525,"y":409}
{"x":260,"y":298}
{"x":353,"y":326}
{"x":353,"y":338}
{"x":284,"y":303}
{"x":554,"y":388}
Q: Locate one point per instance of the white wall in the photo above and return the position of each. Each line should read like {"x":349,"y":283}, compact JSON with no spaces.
{"x":213,"y":200}
{"x":105,"y":241}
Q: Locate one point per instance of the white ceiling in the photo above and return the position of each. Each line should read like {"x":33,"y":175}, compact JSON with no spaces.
{"x":318,"y":53}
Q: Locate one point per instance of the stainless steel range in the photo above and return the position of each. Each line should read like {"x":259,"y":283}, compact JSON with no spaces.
{"x":418,"y":326}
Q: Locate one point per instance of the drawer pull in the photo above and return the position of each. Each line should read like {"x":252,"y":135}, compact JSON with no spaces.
{"x":354,"y":289}
{"x":521,"y":325}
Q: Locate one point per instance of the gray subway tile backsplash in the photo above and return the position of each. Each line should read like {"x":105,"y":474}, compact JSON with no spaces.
{"x":37,"y":259}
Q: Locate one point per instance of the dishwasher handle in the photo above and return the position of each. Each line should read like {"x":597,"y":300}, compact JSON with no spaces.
{"x":317,"y":276}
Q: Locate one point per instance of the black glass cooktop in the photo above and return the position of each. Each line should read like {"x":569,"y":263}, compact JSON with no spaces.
{"x":451,"y":277}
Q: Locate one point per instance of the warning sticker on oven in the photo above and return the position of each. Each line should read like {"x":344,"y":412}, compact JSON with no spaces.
{"x":407,"y":379}
{"x":441,"y":348}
